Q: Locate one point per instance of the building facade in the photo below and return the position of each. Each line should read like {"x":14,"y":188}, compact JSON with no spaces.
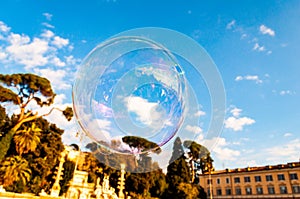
{"x":276,"y":181}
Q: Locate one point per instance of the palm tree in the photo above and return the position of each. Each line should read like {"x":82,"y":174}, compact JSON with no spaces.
{"x":14,"y":169}
{"x":27,"y":139}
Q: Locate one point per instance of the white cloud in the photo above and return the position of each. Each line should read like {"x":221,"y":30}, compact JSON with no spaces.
{"x":239,"y":78}
{"x":4,"y":27}
{"x":3,"y":55}
{"x":71,"y":60}
{"x":199,"y":113}
{"x":146,"y":112}
{"x":48,"y":16}
{"x":159,"y":75}
{"x":20,"y":49}
{"x":48,"y":25}
{"x":236,"y":112}
{"x":57,"y":62}
{"x":230,"y":25}
{"x":258,"y":48}
{"x":28,"y":53}
{"x":60,"y":42}
{"x":250,"y":78}
{"x":265,"y":30}
{"x":235,"y":122}
{"x":47,"y":34}
{"x":287,"y":134}
{"x":244,"y":35}
{"x":287,"y":152}
{"x":286,"y":92}
{"x":56,"y":77}
{"x":221,"y":149}
{"x":194,"y":129}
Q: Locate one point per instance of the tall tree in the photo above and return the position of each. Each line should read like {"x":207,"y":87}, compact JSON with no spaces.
{"x":27,"y":139}
{"x":20,"y":90}
{"x":178,"y":171}
{"x":141,"y":144}
{"x":14,"y":169}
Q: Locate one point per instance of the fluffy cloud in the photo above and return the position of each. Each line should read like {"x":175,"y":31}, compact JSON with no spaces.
{"x":146,"y":112}
{"x":287,"y":134}
{"x":47,"y":34}
{"x":221,"y":150}
{"x":236,"y":112}
{"x":4,"y":27}
{"x":199,"y":113}
{"x":265,"y":30}
{"x":287,"y":152}
{"x":237,"y":123}
{"x":29,"y":54}
{"x":250,"y":78}
{"x":60,"y":42}
{"x":3,"y":55}
{"x":258,"y":47}
{"x":56,"y":77}
{"x":48,"y":25}
{"x":230,"y":25}
{"x":48,"y":16}
{"x":20,"y":49}
{"x":194,"y":129}
{"x":286,"y":92}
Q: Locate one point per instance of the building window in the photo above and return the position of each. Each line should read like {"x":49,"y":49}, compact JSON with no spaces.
{"x":238,"y":191}
{"x":248,"y":190}
{"x":283,"y":189}
{"x":259,"y":190}
{"x":280,"y":177}
{"x":271,"y":190}
{"x":269,"y":177}
{"x":296,"y":188}
{"x":218,"y":181}
{"x":257,"y":179}
{"x":293,"y":176}
{"x":247,"y":179}
{"x":219,"y":192}
{"x":228,"y":191}
{"x":227,"y":181}
{"x":236,"y":180}
{"x":208,"y":192}
{"x":209,"y":181}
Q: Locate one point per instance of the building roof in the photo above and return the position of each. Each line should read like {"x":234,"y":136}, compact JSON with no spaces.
{"x":258,"y":168}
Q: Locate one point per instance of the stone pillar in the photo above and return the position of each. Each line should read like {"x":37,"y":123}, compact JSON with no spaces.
{"x":56,"y":187}
{"x":121,"y":182}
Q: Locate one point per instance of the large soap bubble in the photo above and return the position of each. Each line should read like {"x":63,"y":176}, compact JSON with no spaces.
{"x":135,"y":93}
{"x":129,"y":86}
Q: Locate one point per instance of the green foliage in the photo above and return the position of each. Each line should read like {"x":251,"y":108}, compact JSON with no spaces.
{"x":197,"y":150}
{"x":14,"y":169}
{"x":179,"y":176}
{"x":27,"y":139}
{"x":142,"y":144}
{"x":5,"y":143}
{"x":68,"y":113}
{"x":177,"y":150}
{"x":27,"y":85}
{"x":69,"y":167}
{"x":21,"y":89}
{"x":186,"y":191}
{"x":7,"y":95}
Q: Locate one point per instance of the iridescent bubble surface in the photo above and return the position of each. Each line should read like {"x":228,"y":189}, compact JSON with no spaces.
{"x":129,"y":86}
{"x":149,"y":83}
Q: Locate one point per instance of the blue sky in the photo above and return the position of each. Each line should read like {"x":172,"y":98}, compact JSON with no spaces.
{"x":255,"y":45}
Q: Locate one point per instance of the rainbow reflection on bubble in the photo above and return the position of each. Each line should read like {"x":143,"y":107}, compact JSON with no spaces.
{"x":129,"y":86}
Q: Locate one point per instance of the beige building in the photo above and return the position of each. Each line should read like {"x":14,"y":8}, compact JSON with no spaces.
{"x":276,"y":181}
